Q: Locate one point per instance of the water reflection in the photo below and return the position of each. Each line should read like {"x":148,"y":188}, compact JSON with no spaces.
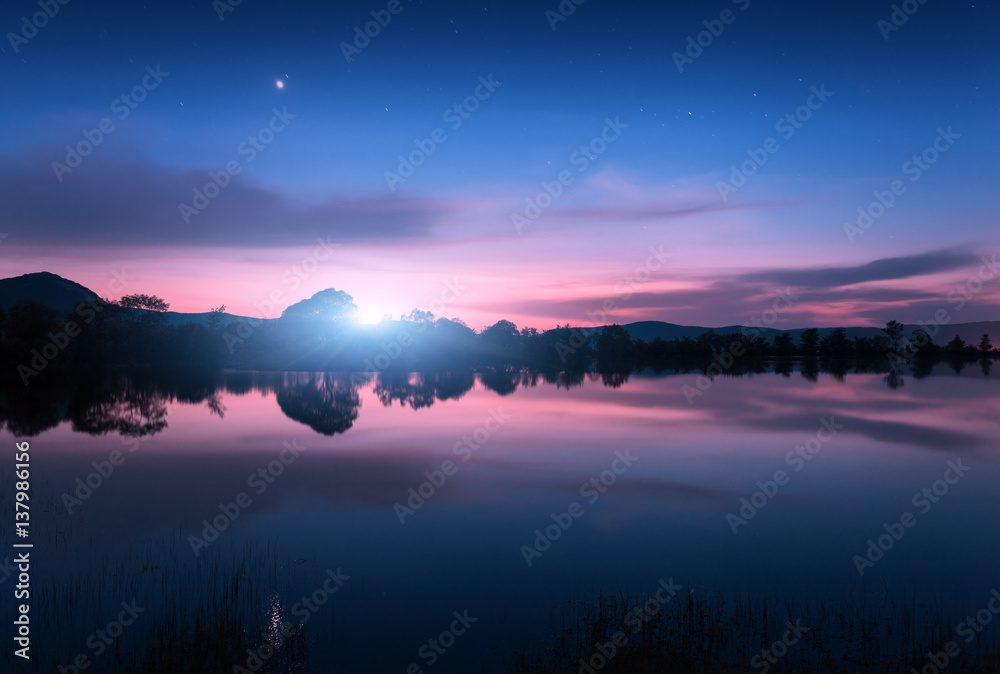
{"x":418,"y":390}
{"x":136,"y":405}
{"x":336,"y":503}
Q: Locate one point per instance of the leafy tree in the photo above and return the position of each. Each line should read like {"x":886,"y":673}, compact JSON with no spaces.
{"x":614,"y":346}
{"x":836,"y":343}
{"x":956,"y":345}
{"x":215,"y":317}
{"x":894,"y":333}
{"x":500,"y":340}
{"x":921,"y":344}
{"x":784,"y":344}
{"x":147,"y":302}
{"x":808,"y":342}
{"x":419,"y":316}
{"x":142,"y":310}
{"x":985,"y":345}
{"x":326,"y":305}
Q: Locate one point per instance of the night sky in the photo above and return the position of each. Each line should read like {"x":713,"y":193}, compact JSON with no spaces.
{"x":614,"y":110}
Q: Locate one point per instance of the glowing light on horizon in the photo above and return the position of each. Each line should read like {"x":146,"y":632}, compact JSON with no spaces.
{"x":371,"y":316}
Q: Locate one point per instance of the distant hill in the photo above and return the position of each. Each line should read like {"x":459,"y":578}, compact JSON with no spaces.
{"x":63,"y":294}
{"x":970,"y":332}
{"x":49,"y":289}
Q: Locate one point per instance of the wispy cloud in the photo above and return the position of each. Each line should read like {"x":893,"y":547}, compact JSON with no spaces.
{"x":129,"y":202}
{"x":884,"y":269}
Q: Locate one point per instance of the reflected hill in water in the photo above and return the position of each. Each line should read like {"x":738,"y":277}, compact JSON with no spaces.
{"x":135,"y":405}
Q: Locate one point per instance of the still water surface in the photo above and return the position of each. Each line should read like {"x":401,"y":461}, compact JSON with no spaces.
{"x":521,"y":449}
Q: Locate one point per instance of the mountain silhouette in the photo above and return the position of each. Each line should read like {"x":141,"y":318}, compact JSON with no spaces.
{"x":59,"y":293}
{"x":45,"y":288}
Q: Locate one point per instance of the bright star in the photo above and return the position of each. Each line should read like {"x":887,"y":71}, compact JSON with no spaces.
{"x":280,"y":84}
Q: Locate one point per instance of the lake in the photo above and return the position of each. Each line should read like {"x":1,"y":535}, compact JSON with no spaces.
{"x":379,"y":512}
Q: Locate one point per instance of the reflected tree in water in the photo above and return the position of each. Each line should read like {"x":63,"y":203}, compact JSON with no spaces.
{"x":614,"y":379}
{"x":453,"y":385}
{"x":894,"y":379}
{"x":500,"y":380}
{"x":29,"y":412}
{"x":131,"y":412}
{"x":415,"y":390}
{"x":328,"y":403}
{"x":566,"y":379}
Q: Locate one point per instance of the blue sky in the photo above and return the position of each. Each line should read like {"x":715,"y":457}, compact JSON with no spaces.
{"x":656,"y":184}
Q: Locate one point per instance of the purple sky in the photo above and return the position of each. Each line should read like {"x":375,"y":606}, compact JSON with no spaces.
{"x":497,"y":108}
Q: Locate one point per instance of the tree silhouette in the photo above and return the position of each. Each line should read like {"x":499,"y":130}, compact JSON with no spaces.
{"x":836,"y":343}
{"x":808,"y":342}
{"x":614,"y":348}
{"x":419,"y":316}
{"x":956,"y":345}
{"x":215,"y":317}
{"x":985,"y":344}
{"x":146,"y":302}
{"x":784,"y":344}
{"x":500,"y":341}
{"x":326,"y":305}
{"x":894,"y":333}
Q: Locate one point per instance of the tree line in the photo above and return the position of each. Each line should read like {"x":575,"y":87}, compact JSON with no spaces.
{"x":322,"y":334}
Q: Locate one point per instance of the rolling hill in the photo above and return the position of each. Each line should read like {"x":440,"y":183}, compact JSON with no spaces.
{"x":63,"y":294}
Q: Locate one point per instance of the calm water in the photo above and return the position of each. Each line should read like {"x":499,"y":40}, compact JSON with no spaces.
{"x":366,"y":443}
